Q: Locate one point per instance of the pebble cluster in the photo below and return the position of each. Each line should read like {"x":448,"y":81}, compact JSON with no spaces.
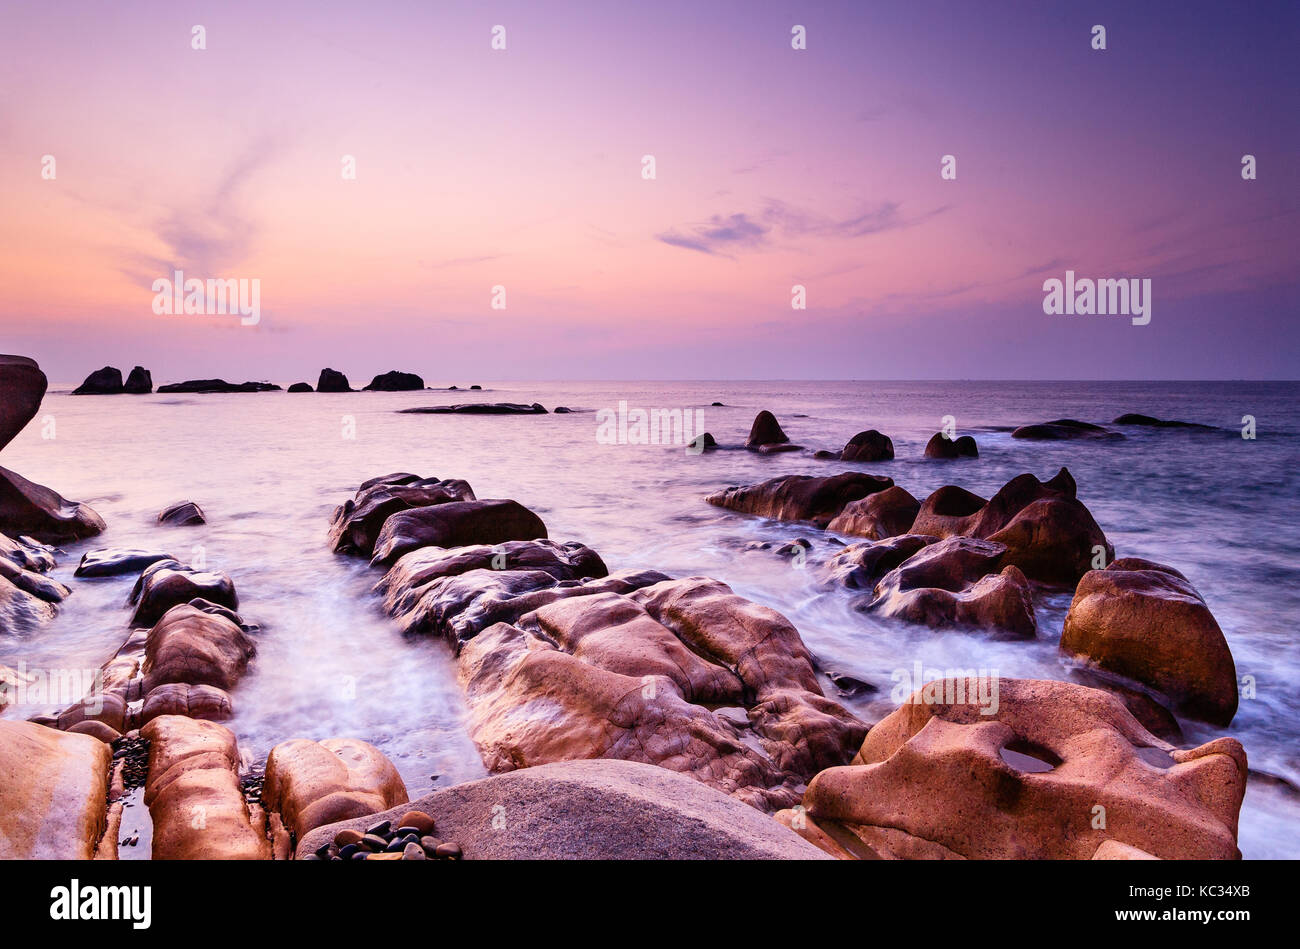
{"x":412,"y":839}
{"x":252,"y":788}
{"x":133,"y":751}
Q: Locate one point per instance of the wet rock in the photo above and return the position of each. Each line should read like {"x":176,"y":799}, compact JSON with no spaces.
{"x":27,"y":553}
{"x":395,"y":381}
{"x":949,"y":775}
{"x":106,"y":381}
{"x":562,"y":410}
{"x":357,"y":522}
{"x":181,"y":514}
{"x":455,"y":524}
{"x":941,"y":446}
{"x":193,"y":774}
{"x":139,"y":382}
{"x":310,"y":784}
{"x":97,"y":730}
{"x":301,"y":387}
{"x":600,"y":810}
{"x":190,"y":646}
{"x":33,"y":583}
{"x":1048,"y":532}
{"x":52,"y":797}
{"x":29,"y":508}
{"x":638,"y":678}
{"x":332,"y":381}
{"x":886,"y":513}
{"x":19,"y":608}
{"x":114,"y":561}
{"x":850,"y":686}
{"x":860,"y":566}
{"x":478,"y":408}
{"x":766,"y":430}
{"x":801,"y":497}
{"x":701,"y":443}
{"x":169,"y":583}
{"x":204,"y":386}
{"x":868,"y":446}
{"x":182,"y":698}
{"x":1062,"y":429}
{"x":1146,"y":622}
{"x":1148,"y":421}
{"x":22,"y":387}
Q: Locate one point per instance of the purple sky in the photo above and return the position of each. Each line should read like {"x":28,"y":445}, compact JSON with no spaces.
{"x":774,"y":167}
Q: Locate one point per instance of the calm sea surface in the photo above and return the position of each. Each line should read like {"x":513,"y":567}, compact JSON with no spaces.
{"x":268,"y":469}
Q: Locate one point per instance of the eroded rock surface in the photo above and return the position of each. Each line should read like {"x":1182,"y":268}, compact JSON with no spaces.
{"x":310,"y":784}
{"x":53,"y":792}
{"x":357,"y":522}
{"x":886,"y":513}
{"x":801,"y":497}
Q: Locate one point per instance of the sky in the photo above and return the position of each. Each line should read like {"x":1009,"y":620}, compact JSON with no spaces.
{"x":522,"y":168}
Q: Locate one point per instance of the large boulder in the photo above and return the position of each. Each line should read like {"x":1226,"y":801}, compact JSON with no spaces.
{"x":332,"y":381}
{"x":53,"y":793}
{"x":1024,"y":769}
{"x":1048,"y":532}
{"x":30,"y":508}
{"x":959,"y":582}
{"x":189,"y":645}
{"x":139,"y":382}
{"x":593,"y":810}
{"x":941,"y":446}
{"x":455,"y":524}
{"x":868,"y":446}
{"x":194,"y":794}
{"x":1146,"y":622}
{"x":169,"y":583}
{"x":395,"y":381}
{"x":22,"y":386}
{"x":310,"y":783}
{"x":861,"y":566}
{"x":766,"y":430}
{"x":682,"y":674}
{"x":27,"y":553}
{"x":801,"y":497}
{"x":887,"y":513}
{"x":106,"y":381}
{"x":358,"y":521}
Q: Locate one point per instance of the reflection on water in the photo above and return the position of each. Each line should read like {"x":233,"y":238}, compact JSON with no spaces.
{"x":269,"y":468}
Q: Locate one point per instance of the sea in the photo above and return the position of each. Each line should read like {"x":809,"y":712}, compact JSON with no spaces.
{"x":269,"y":468}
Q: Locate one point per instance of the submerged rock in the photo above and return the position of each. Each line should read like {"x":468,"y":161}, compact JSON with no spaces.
{"x":479,"y":408}
{"x":868,"y":446}
{"x":1146,"y":622}
{"x":218,"y":385}
{"x":941,"y":446}
{"x":113,"y":561}
{"x":953,"y":773}
{"x":182,"y":514}
{"x":1062,"y":429}
{"x":106,"y":381}
{"x":301,"y":387}
{"x":1149,"y":421}
{"x":861,"y":566}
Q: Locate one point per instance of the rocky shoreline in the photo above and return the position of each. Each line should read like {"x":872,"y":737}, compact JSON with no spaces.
{"x":629,"y":713}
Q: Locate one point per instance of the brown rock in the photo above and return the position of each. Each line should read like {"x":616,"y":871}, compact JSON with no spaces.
{"x":315,"y":783}
{"x":192,"y":646}
{"x":33,"y":509}
{"x":1146,"y":622}
{"x":766,"y":430}
{"x":53,"y":792}
{"x":941,"y":446}
{"x":357,"y":523}
{"x":168,"y":583}
{"x":22,"y":387}
{"x":800,"y":497}
{"x":882,"y":514}
{"x":939,"y":778}
{"x":860,"y":566}
{"x":194,"y":795}
{"x":455,"y":524}
{"x":419,"y":820}
{"x":182,"y":514}
{"x":868,"y":446}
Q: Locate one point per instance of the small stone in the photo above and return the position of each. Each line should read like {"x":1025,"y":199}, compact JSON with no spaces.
{"x":404,"y":830}
{"x":345,"y":837}
{"x":361,"y":855}
{"x":395,"y":855}
{"x":373,"y":842}
{"x":380,"y":829}
{"x":448,"y":851}
{"x":348,"y":850}
{"x":413,"y":852}
{"x":395,"y":846}
{"x":430,"y":845}
{"x":323,"y":852}
{"x":418,"y":821}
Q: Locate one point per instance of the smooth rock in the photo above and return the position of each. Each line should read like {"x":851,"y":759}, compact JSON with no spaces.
{"x":53,"y":792}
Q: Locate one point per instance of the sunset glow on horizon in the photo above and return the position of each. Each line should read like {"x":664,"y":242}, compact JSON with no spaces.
{"x":774,"y":167}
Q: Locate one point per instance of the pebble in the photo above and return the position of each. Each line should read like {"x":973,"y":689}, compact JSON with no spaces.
{"x":395,"y":846}
{"x":413,"y":852}
{"x":380,"y":829}
{"x":448,"y":851}
{"x":418,"y":821}
{"x":345,"y":837}
{"x":430,"y":845}
{"x":373,"y":842}
{"x":348,"y":850}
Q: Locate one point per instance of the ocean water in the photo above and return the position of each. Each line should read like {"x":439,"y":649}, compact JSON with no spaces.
{"x":268,"y":469}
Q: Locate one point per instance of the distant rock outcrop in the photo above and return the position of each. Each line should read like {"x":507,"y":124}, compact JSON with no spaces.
{"x":395,"y":382}
{"x":218,"y":385}
{"x":1063,"y":429}
{"x":106,"y":381}
{"x":1133,"y":418}
{"x":332,"y":381}
{"x":868,"y":446}
{"x":941,"y":446}
{"x":300,"y":387}
{"x":139,"y":382}
{"x":477,"y":408}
